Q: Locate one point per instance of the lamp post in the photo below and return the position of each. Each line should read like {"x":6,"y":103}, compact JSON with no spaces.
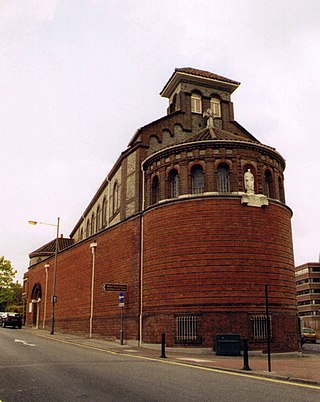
{"x":54,"y":297}
{"x":93,"y":247}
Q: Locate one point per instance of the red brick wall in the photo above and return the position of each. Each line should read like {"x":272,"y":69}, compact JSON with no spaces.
{"x":216,"y":256}
{"x":117,"y":261}
{"x":207,"y":256}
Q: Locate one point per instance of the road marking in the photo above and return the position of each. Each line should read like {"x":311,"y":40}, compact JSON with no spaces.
{"x":176,"y":363}
{"x":24,"y":343}
{"x":193,"y":359}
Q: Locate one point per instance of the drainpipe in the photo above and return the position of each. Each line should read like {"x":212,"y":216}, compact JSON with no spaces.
{"x":93,"y":247}
{"x":45,"y":298}
{"x":141,"y":259}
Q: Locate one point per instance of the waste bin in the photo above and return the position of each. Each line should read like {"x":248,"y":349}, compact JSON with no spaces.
{"x":228,"y":344}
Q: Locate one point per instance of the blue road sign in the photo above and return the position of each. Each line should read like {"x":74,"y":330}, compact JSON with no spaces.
{"x":121,"y":297}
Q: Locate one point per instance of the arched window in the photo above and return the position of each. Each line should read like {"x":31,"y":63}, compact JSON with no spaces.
{"x":173,"y":183}
{"x":88,"y":228}
{"x":215,"y":107}
{"x":115,"y":198}
{"x":197,"y":179}
{"x":93,"y":221}
{"x":223,"y":178}
{"x":98,"y":220}
{"x":268,"y":184}
{"x":104,"y":212}
{"x":196,"y":106}
{"x":155,"y":191}
{"x":281,"y":190}
{"x":81,"y":234}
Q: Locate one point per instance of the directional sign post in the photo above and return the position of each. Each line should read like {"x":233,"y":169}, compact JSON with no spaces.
{"x":121,"y":288}
{"x":121,"y":305}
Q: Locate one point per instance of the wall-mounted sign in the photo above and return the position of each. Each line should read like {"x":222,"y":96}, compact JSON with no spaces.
{"x":114,"y":287}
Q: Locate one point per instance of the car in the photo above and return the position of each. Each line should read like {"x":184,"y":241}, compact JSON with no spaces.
{"x":11,"y":320}
{"x":308,"y":335}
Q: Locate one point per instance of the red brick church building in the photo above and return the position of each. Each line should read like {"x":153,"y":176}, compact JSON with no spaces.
{"x":192,"y":220}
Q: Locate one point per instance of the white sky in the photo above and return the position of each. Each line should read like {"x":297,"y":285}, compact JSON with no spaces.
{"x":79,"y":77}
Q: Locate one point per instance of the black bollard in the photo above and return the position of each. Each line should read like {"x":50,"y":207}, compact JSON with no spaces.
{"x":163,"y":346}
{"x":245,"y":355}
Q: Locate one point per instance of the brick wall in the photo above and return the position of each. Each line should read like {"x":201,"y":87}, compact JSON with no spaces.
{"x":209,"y":256}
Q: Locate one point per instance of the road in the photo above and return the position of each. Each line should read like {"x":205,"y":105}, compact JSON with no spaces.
{"x":37,"y":369}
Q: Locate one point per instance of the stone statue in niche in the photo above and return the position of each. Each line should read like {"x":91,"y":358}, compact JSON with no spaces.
{"x":209,"y":115}
{"x":249,"y":182}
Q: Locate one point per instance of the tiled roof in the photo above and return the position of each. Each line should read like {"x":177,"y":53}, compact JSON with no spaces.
{"x":50,"y":247}
{"x":217,"y":134}
{"x":206,"y":74}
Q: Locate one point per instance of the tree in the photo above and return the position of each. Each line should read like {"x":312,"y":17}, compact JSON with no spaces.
{"x":10,"y":291}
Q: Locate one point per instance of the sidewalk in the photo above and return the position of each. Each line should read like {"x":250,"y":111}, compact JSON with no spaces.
{"x":297,"y":367}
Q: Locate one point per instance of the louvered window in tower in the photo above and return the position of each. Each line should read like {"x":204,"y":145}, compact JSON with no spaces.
{"x":215,"y":107}
{"x":196,"y":106}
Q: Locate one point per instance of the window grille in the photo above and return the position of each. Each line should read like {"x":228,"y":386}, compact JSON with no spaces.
{"x":223,"y":181}
{"x":187,"y":329}
{"x":259,"y":327}
{"x":197,"y":179}
{"x":174,"y":183}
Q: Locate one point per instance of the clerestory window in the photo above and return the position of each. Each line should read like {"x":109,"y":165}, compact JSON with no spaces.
{"x":197,"y":179}
{"x":223,"y":178}
{"x":155,"y":191}
{"x":173,"y":183}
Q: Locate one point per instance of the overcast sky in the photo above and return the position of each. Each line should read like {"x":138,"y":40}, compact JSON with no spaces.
{"x":79,"y":77}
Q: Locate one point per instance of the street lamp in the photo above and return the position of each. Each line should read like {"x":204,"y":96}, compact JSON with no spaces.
{"x":54,"y":297}
{"x":93,"y":247}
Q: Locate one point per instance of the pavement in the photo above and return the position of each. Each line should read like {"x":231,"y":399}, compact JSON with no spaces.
{"x":300,"y":367}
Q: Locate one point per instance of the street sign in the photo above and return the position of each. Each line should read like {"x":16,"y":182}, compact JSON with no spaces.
{"x":121,"y":297}
{"x":121,"y":304}
{"x":114,"y":287}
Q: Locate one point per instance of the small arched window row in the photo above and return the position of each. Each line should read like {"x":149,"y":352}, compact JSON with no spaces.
{"x":173,"y":186}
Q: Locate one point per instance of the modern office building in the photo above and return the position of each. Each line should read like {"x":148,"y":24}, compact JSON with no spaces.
{"x":308,"y":294}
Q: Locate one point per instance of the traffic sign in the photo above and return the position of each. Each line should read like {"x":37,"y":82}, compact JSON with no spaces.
{"x":114,"y":287}
{"x":121,"y":297}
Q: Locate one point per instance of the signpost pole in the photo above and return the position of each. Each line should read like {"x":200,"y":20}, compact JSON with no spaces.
{"x":121,"y":330}
{"x":121,"y":305}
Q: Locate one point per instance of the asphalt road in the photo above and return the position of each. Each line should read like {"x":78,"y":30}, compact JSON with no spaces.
{"x":38,"y":369}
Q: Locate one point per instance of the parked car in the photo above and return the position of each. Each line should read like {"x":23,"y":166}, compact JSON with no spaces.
{"x":309,"y":335}
{"x":11,"y":320}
